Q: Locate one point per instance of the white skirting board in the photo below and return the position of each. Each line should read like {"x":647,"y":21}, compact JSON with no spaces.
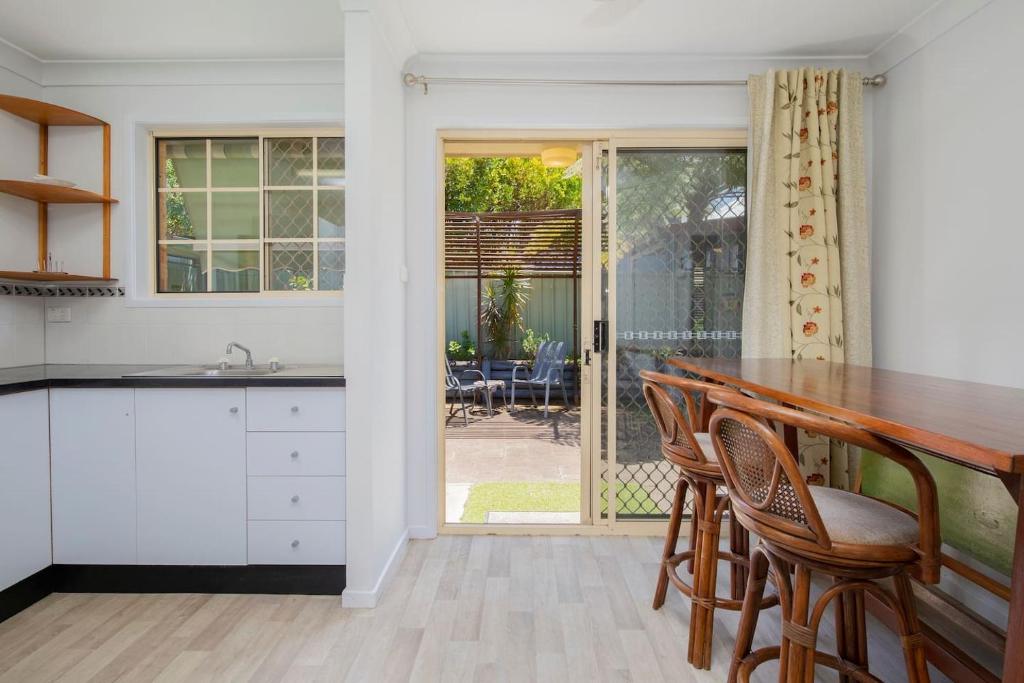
{"x":422,"y":532}
{"x":368,"y":599}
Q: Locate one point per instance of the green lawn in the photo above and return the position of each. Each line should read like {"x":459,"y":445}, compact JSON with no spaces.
{"x":545,"y":497}
{"x":631,"y":499}
{"x":519,"y":497}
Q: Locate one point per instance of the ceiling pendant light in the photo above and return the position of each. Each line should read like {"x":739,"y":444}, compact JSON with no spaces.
{"x":558,"y":157}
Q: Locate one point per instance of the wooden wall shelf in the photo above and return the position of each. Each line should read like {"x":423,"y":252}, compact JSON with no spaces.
{"x":52,"y":194}
{"x":33,"y":276}
{"x":46,"y":115}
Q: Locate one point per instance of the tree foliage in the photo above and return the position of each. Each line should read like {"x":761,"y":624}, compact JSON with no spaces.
{"x":179,"y":222}
{"x":509,"y":184}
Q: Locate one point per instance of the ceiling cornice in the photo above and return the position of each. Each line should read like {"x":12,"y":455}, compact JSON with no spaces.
{"x":21,"y":63}
{"x":64,"y":73}
{"x":924,"y":29}
{"x":390,"y":19}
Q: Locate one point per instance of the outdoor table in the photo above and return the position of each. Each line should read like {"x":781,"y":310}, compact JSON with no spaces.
{"x":977,"y":426}
{"x":490,"y":386}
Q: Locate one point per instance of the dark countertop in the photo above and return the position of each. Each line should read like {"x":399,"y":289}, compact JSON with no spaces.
{"x":29,"y":377}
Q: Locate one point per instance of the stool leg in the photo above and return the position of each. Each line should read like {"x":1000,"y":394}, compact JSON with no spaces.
{"x":851,"y":629}
{"x":702,"y":610}
{"x":801,"y":639}
{"x":751,"y":610}
{"x":739,"y":545}
{"x":675,"y":521}
{"x":693,"y":537}
{"x":913,"y":643}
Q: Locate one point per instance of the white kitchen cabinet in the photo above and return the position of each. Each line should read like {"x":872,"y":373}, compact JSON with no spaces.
{"x":285,"y":542}
{"x":307,"y":409}
{"x":296,"y":454}
{"x":190,"y":460}
{"x":24,"y":486}
{"x":92,"y":449}
{"x":294,"y":498}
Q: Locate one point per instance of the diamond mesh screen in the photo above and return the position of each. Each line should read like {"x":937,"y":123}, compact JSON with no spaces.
{"x":332,"y":266}
{"x":291,"y":265}
{"x":289,"y":162}
{"x":289,"y":213}
{"x":680,"y":252}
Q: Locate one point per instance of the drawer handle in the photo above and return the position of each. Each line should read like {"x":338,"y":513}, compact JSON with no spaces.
{"x":234,"y":409}
{"x":295,"y":499}
{"x":295,"y":455}
{"x":295,"y":543}
{"x":295,"y":409}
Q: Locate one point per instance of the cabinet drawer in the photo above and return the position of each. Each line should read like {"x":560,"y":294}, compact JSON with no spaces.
{"x":320,"y":409}
{"x":309,"y":498}
{"x":296,"y":542}
{"x":296,"y":453}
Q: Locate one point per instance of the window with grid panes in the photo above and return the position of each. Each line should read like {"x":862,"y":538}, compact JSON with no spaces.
{"x":250,"y":214}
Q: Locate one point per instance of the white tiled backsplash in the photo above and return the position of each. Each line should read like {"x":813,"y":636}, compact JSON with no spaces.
{"x":106,"y":331}
{"x":21,"y":331}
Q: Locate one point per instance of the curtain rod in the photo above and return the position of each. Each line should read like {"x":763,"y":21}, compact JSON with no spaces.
{"x":412,"y":80}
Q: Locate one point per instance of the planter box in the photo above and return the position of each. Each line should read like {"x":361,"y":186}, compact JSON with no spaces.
{"x":502,"y":369}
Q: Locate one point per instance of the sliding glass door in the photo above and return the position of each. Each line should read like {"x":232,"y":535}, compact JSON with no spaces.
{"x":668,"y":280}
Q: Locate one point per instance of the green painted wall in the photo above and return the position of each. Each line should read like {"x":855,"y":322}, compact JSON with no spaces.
{"x":977,"y":515}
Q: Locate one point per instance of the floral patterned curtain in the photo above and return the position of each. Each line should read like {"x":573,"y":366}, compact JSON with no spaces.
{"x":807,"y":290}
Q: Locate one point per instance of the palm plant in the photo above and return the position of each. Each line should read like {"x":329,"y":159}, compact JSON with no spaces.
{"x":502,"y":310}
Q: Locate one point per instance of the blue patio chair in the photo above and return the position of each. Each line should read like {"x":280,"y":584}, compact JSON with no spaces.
{"x":458,"y":387}
{"x":548,"y":371}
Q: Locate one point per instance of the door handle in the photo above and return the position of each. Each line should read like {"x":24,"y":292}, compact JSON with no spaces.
{"x":586,"y":356}
{"x":601,"y":336}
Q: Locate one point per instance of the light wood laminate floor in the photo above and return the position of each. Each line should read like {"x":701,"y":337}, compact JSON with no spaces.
{"x":461,"y":608}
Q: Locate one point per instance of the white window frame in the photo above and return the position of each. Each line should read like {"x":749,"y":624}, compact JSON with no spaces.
{"x":264,"y":294}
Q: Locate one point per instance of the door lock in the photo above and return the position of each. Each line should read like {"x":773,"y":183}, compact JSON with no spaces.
{"x":601,"y":336}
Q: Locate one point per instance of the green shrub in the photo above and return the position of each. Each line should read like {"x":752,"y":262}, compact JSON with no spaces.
{"x":532,"y":341}
{"x":463,"y":349}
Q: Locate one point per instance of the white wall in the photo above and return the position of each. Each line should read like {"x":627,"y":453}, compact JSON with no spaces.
{"x":537,"y":107}
{"x":21,"y":318}
{"x":947,"y":251}
{"x":120,"y":330}
{"x":375,"y":334}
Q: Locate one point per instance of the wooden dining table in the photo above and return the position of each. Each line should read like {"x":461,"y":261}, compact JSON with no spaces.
{"x":977,"y":426}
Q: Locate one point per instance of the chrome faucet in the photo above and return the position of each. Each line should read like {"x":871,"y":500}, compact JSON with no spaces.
{"x":248,"y":354}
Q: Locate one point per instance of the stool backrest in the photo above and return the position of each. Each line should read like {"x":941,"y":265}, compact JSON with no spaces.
{"x":767,"y":487}
{"x":677,"y":428}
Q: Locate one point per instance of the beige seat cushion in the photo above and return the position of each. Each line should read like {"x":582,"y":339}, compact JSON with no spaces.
{"x":850,"y":518}
{"x":704,"y":441}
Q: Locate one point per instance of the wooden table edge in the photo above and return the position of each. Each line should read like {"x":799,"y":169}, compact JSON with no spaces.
{"x":970,"y":455}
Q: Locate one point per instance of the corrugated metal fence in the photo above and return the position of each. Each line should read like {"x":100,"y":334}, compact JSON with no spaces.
{"x":544,"y":246}
{"x":549,"y":309}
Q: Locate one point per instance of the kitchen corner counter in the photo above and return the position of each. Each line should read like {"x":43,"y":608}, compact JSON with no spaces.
{"x":29,"y":377}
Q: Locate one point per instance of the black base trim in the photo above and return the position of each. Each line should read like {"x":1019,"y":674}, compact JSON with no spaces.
{"x":25,"y":593}
{"x":266,"y":578}
{"x":104,"y":578}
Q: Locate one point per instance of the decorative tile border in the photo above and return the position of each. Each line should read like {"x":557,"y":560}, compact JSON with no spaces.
{"x":80,"y":291}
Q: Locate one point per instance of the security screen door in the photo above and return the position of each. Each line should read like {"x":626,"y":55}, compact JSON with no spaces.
{"x":668,"y":280}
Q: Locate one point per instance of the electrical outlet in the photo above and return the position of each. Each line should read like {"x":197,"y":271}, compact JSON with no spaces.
{"x":58,"y":314}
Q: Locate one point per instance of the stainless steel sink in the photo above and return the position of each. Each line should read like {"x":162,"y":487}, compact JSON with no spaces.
{"x":229,"y":372}
{"x":212,"y":371}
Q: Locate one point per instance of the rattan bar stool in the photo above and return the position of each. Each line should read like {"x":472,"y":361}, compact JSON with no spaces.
{"x":856,"y":540}
{"x":686,"y":444}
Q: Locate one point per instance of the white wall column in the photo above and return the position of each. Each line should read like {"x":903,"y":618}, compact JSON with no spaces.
{"x":374,"y":299}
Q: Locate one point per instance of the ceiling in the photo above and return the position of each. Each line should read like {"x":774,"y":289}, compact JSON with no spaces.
{"x":681,"y":27}
{"x":297,"y":29}
{"x":182,"y":29}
